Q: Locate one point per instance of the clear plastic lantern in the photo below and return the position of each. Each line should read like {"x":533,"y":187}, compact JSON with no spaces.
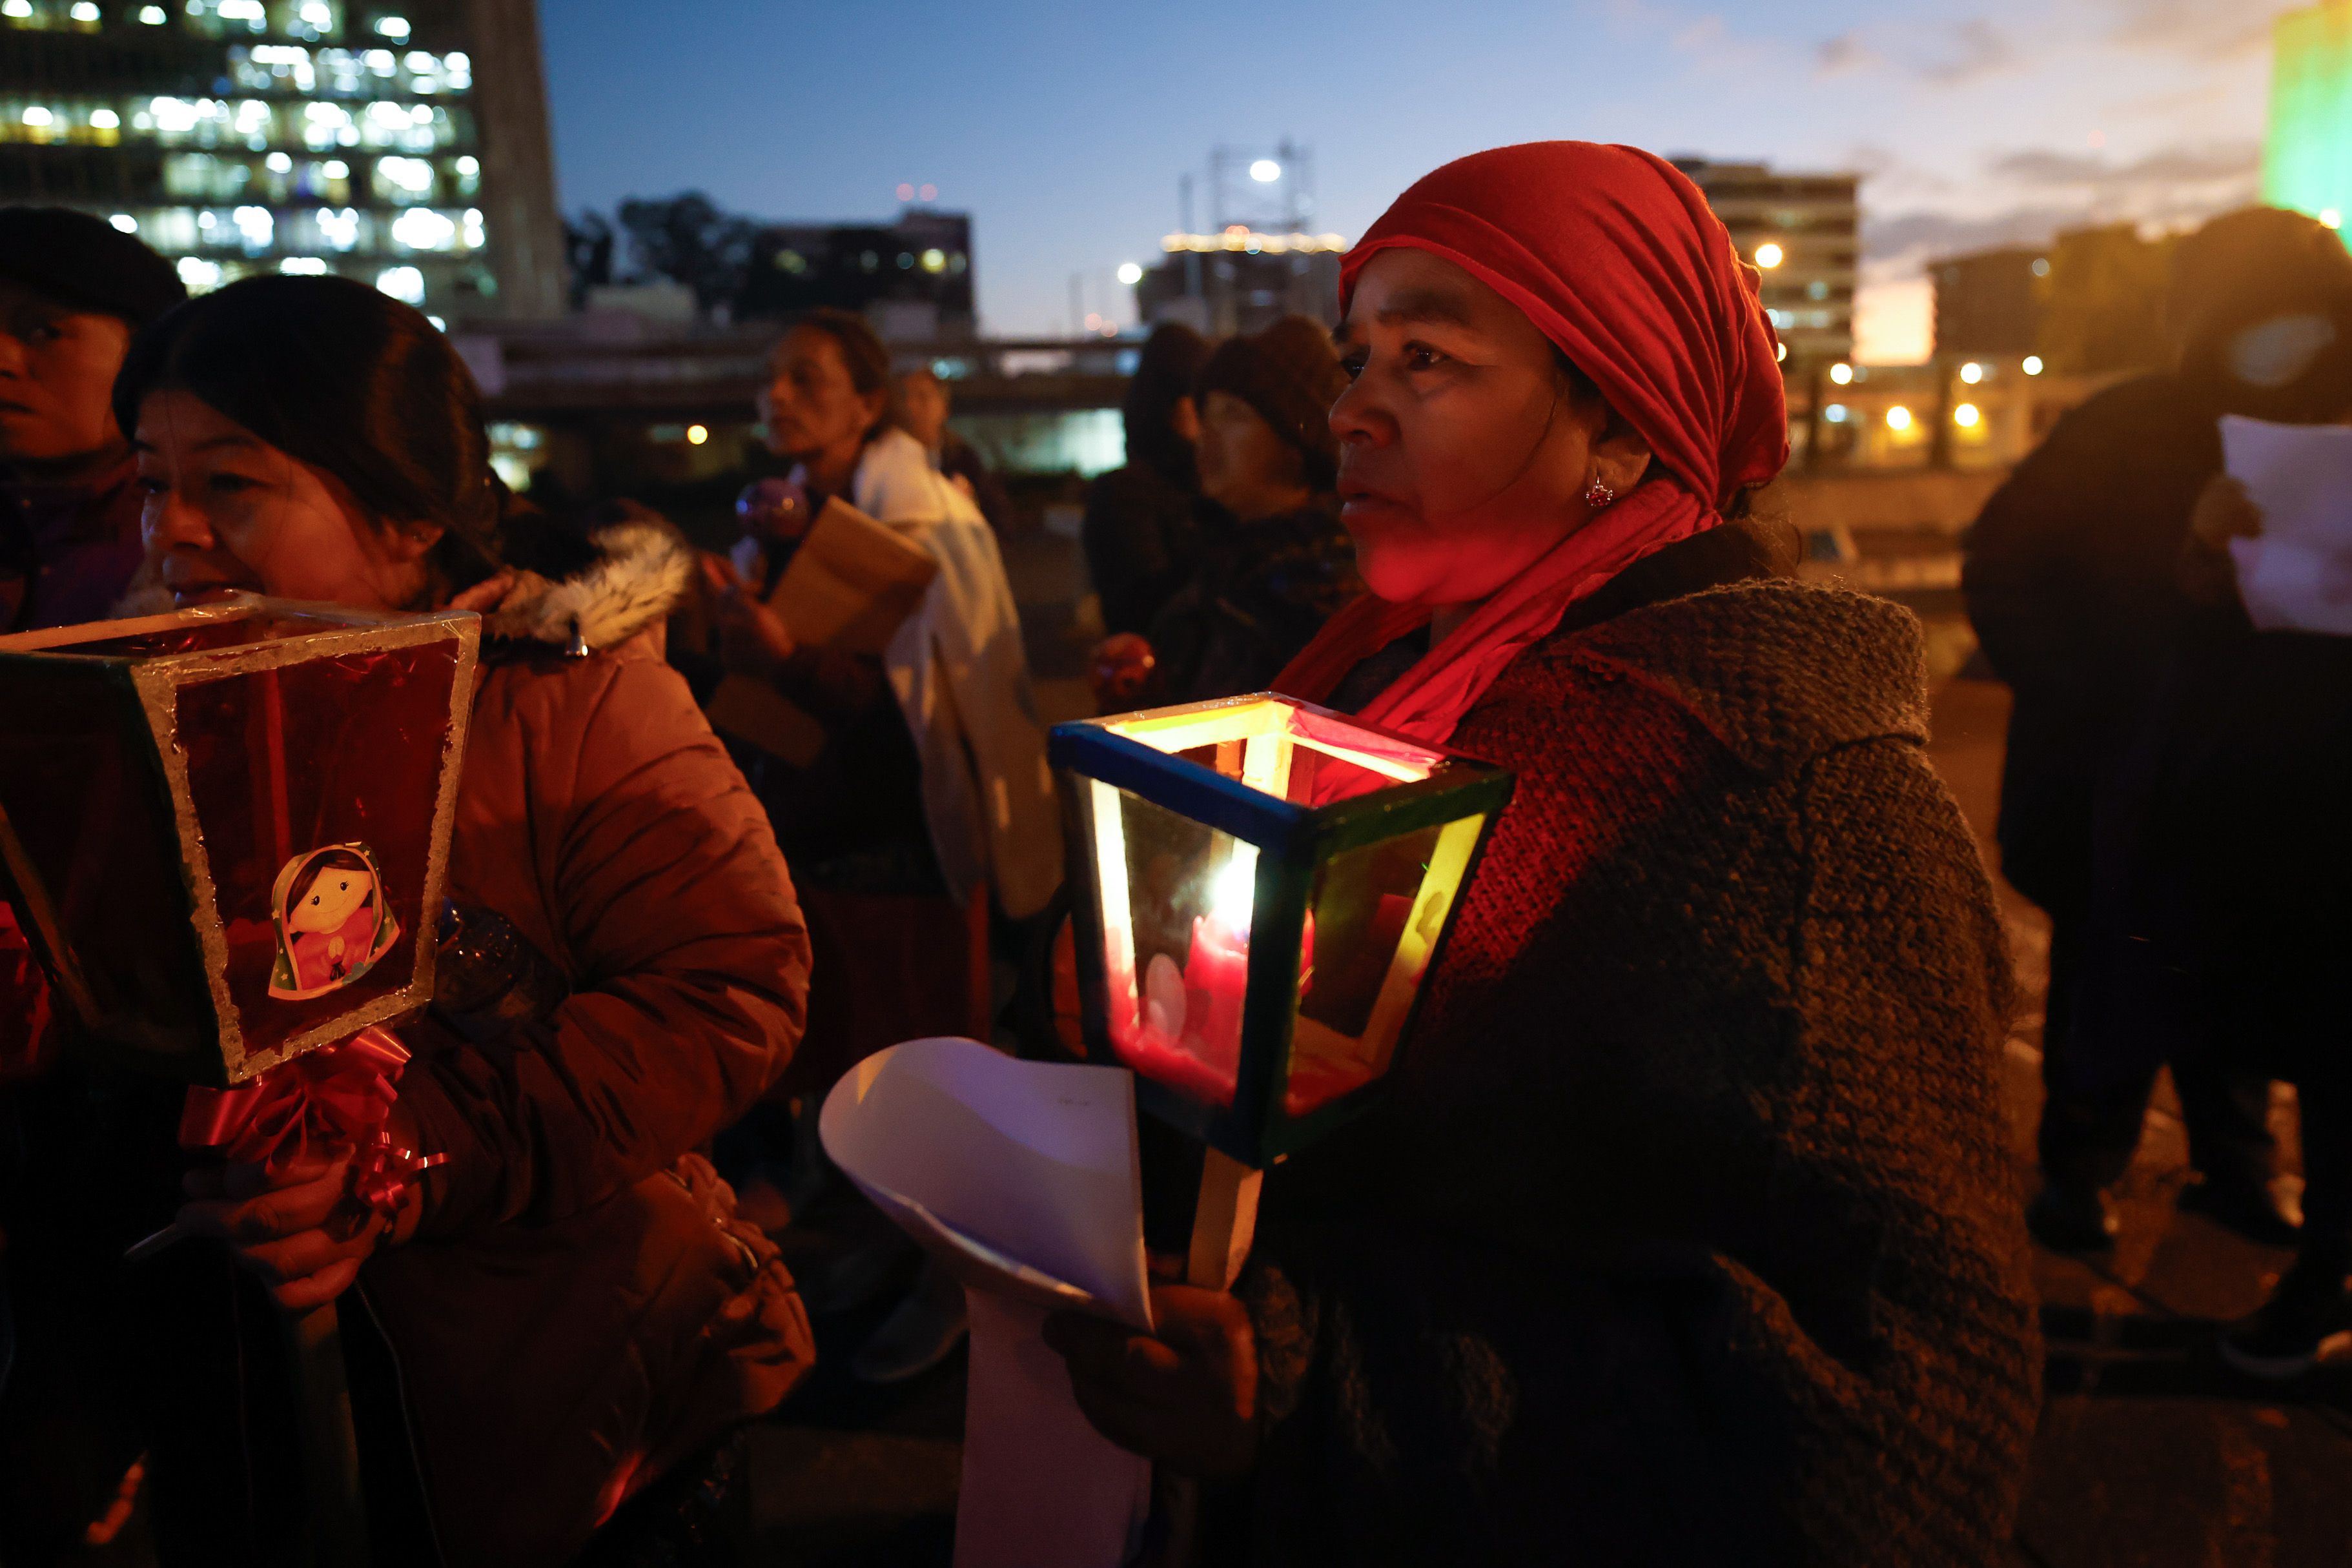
{"x":1261,"y":888}
{"x":224,"y":830}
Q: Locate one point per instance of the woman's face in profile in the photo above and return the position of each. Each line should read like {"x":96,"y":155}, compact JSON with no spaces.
{"x":1464,"y":455}
{"x":811,"y":405}
{"x":227,"y":511}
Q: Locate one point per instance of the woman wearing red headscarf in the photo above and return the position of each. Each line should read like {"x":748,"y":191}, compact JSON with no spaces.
{"x":1688,"y":1235}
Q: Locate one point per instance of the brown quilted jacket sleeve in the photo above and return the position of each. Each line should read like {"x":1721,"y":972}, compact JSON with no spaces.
{"x":601,"y":816}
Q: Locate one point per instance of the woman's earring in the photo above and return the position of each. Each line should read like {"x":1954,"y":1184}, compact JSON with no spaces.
{"x":1598,"y":494}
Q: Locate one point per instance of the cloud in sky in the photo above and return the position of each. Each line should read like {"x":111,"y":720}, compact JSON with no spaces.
{"x":2199,"y":28}
{"x":1975,"y":48}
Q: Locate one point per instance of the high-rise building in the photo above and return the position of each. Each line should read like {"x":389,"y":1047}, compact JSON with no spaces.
{"x":403,"y":143}
{"x":2307,"y":159}
{"x":1799,"y":231}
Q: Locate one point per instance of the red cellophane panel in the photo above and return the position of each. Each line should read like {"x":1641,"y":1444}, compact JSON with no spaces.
{"x":286,"y":761}
{"x":81,"y":787}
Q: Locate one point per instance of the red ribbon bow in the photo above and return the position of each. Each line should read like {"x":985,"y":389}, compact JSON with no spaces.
{"x":319,"y":1107}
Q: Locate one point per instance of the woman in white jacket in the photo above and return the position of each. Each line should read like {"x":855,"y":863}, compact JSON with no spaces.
{"x":932,"y":792}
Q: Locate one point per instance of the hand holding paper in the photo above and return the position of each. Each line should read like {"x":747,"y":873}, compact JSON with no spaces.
{"x":1022,"y":1178}
{"x":2296,"y":576}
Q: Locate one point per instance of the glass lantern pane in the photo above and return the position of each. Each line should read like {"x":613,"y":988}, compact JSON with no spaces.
{"x":1372,"y":923}
{"x":314,"y":787}
{"x":1177,"y":902}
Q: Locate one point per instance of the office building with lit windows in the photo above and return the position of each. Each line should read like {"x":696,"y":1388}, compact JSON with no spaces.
{"x":912,"y":277}
{"x":1798,"y":230}
{"x":403,"y":142}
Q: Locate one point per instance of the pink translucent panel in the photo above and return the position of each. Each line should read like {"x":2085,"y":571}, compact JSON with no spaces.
{"x":284,"y":762}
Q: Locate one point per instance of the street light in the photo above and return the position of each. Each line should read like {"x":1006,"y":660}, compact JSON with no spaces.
{"x":2032,"y":365}
{"x":1971,"y":374}
{"x":1966,"y":416}
{"x":1898,"y":418}
{"x":1770,"y":255}
{"x":1265,"y":171}
{"x":1841,"y":373}
{"x":1129,"y":273}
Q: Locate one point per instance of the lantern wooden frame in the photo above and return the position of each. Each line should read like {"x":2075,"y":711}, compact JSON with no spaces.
{"x":1257,"y":737}
{"x":130,"y":677}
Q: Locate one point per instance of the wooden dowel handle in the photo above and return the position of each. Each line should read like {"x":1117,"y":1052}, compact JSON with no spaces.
{"x":1224,"y":1222}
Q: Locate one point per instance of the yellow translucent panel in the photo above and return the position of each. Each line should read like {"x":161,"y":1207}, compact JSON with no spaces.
{"x":1374,"y":921}
{"x":1258,"y":743}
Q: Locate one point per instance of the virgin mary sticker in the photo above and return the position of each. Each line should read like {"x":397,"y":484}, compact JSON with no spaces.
{"x":332,"y":921}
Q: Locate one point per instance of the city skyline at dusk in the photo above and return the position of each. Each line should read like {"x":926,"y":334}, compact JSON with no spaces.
{"x":1065,"y":133}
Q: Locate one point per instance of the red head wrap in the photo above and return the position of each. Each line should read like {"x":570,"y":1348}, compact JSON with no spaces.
{"x":1614,"y":255}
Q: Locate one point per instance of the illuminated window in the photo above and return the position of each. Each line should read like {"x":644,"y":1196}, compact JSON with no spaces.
{"x":198,"y":273}
{"x":404,"y":179}
{"x":422,"y":228}
{"x":303,"y":267}
{"x":256,"y":225}
{"x":125,"y":222}
{"x":393,"y":27}
{"x":152,"y":16}
{"x":340,"y":229}
{"x":105,"y":119}
{"x":402,"y":282}
{"x":1835,"y":414}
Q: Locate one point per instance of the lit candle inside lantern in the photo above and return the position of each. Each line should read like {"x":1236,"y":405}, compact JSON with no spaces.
{"x":1190,"y":1033}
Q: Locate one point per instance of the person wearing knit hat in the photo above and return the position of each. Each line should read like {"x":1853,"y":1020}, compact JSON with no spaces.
{"x":1271,"y":576}
{"x":73,"y":289}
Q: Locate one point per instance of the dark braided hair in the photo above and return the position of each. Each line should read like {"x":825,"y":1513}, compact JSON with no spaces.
{"x":348,"y":380}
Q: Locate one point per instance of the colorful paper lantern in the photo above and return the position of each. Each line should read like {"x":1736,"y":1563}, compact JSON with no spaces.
{"x":224,"y":830}
{"x":1262,"y":885}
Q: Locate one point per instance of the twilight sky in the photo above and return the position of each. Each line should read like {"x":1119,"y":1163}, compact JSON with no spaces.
{"x":1063,"y":129}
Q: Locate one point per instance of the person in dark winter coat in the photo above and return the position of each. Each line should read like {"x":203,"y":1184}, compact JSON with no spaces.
{"x":1277,"y":563}
{"x":2071,"y":586}
{"x":1143,"y":527}
{"x":1686,"y":1235}
{"x":72,"y":291}
{"x":2221,"y":910}
{"x":580,"y":1321}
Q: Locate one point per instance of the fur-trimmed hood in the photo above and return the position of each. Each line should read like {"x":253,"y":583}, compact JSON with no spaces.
{"x":636,"y":576}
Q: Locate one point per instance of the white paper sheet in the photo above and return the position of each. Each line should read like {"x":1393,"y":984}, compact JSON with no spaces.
{"x":1022,"y":1178}
{"x":2297,"y":576}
